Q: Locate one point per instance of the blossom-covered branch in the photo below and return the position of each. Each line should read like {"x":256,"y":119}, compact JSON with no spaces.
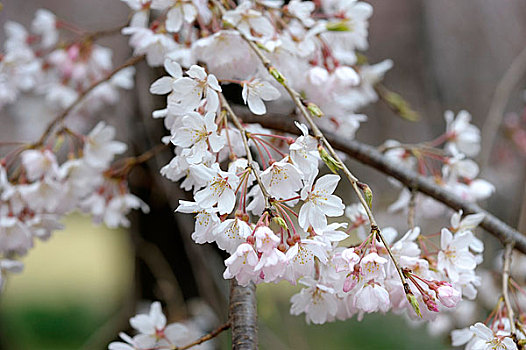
{"x":370,"y":156}
{"x":60,"y":118}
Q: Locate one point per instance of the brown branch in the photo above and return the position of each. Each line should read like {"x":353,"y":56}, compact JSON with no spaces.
{"x":243,"y":315}
{"x":130,"y":62}
{"x":206,"y":337}
{"x":370,"y":156}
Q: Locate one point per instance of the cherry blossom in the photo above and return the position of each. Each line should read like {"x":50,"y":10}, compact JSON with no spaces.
{"x":255,"y":92}
{"x":320,"y":202}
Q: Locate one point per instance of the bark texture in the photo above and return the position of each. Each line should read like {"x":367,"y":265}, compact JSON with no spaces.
{"x":243,"y":315}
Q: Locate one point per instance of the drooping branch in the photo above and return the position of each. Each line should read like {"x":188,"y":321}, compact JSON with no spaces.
{"x":243,"y":316}
{"x":206,"y":337}
{"x":60,"y":118}
{"x":370,"y":156}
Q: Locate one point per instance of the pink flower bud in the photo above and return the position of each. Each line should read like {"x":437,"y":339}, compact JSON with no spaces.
{"x":448,"y":296}
{"x":350,"y":282}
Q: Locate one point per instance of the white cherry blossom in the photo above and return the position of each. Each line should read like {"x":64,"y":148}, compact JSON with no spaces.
{"x":319,"y":202}
{"x":220,"y":189}
{"x":255,"y":91}
{"x":454,"y":254}
{"x":282,"y":179}
{"x":248,"y":21}
{"x":189,"y":91}
{"x":200,"y":133}
{"x":241,"y":265}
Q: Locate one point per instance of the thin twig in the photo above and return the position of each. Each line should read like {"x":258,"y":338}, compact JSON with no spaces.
{"x":131,"y":62}
{"x":207,"y":337}
{"x":505,"y":293}
{"x":507,"y":83}
{"x":368,"y":155}
{"x":243,"y":133}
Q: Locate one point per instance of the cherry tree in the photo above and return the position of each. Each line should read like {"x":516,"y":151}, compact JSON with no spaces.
{"x":266,"y":189}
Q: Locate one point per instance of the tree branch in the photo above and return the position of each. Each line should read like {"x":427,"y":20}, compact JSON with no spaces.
{"x":243,"y":315}
{"x":60,"y":118}
{"x":370,"y":156}
{"x":206,"y":337}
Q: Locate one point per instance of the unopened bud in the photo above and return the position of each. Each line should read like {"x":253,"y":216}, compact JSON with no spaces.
{"x":340,"y":26}
{"x":277,"y":75}
{"x":280,"y":221}
{"x":414,"y":303}
{"x":332,"y":163}
{"x":368,"y":193}
{"x":314,"y":110}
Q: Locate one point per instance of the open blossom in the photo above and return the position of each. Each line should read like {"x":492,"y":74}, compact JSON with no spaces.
{"x":462,"y":135}
{"x":100,"y":147}
{"x":39,"y":163}
{"x":255,"y":92}
{"x":301,"y":258}
{"x":304,"y":153}
{"x":318,"y":302}
{"x":164,"y":85}
{"x":231,"y":233}
{"x":206,"y":221}
{"x":220,"y":189}
{"x":150,"y":323}
{"x":266,"y":240}
{"x":241,"y":264}
{"x":282,"y":179}
{"x":302,"y":11}
{"x":154,"y":45}
{"x":45,"y":24}
{"x":454,"y":255}
{"x":154,"y":333}
{"x":248,"y":21}
{"x":372,"y":298}
{"x":198,"y":132}
{"x":272,"y":262}
{"x":373,"y":266}
{"x":180,"y":11}
{"x":189,"y":91}
{"x":320,"y":202}
{"x":486,"y":339}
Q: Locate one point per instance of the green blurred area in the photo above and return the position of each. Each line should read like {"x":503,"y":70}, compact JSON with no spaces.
{"x":73,"y":284}
{"x":280,"y":330}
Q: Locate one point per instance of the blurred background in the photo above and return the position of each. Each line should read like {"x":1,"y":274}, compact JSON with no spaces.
{"x":79,"y":288}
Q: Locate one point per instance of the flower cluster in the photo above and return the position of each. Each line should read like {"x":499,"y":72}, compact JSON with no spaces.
{"x":38,"y":63}
{"x":449,"y":167}
{"x":480,"y":336}
{"x":37,"y":190}
{"x":260,"y":195}
{"x":361,"y":279}
{"x":154,"y":333}
{"x":318,"y":56}
{"x":272,"y":215}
